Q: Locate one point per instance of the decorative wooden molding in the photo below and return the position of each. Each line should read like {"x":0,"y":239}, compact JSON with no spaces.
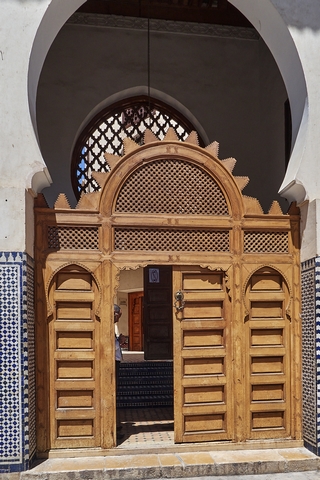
{"x":252,"y":206}
{"x":242,"y":182}
{"x":112,"y":160}
{"x":283,"y":275}
{"x":193,"y":138}
{"x":129,"y":145}
{"x":275,"y":209}
{"x":293,"y":209}
{"x":213,"y":148}
{"x":61,"y":267}
{"x":149,"y":137}
{"x":100,"y":178}
{"x":89,"y":201}
{"x":229,"y":163}
{"x":62,"y":202}
{"x":171,"y":136}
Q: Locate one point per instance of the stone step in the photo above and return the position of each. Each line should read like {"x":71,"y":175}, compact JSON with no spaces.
{"x":142,"y":466}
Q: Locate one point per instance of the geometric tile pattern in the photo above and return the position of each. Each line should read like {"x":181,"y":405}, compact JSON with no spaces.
{"x":16,"y":320}
{"x":309,"y":380}
{"x":145,"y":384}
{"x":30,"y":383}
{"x":317,"y":301}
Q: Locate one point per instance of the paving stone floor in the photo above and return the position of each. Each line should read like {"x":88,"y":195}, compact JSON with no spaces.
{"x":141,"y":426}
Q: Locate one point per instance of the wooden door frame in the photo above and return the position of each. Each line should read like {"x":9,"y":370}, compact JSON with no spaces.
{"x":87,"y":235}
{"x":237,"y":277}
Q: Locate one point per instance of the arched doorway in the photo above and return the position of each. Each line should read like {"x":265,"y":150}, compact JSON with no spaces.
{"x":235,"y":298}
{"x":264,"y":18}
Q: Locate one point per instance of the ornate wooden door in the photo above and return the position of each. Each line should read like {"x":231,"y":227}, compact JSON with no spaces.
{"x":203,"y":373}
{"x":135,"y":321}
{"x":236,"y":330}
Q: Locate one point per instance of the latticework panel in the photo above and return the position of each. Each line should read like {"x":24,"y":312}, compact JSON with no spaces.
{"x":108,"y":130}
{"x":73,"y":238}
{"x":171,"y":187}
{"x":266,"y":242}
{"x":171,"y":240}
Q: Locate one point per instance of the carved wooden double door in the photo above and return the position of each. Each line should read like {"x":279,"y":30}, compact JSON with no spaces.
{"x":232,"y":370}
{"x":233,"y":295}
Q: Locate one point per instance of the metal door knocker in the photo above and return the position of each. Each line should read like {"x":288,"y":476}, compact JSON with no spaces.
{"x":179,"y":303}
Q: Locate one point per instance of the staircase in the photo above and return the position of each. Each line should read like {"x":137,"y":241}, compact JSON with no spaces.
{"x":145,"y":384}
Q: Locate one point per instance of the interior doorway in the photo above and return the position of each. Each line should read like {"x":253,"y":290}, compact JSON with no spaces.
{"x":145,"y":389}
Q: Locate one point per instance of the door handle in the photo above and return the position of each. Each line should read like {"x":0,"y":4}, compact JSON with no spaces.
{"x":179,"y":301}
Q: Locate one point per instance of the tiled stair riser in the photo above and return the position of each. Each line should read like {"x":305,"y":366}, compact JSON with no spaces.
{"x":145,"y":384}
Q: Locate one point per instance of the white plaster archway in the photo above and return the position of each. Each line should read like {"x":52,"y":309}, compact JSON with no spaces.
{"x":268,"y":22}
{"x":55,"y":17}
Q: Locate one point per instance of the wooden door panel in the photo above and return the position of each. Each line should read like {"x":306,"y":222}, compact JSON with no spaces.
{"x":74,"y":398}
{"x":73,"y":281}
{"x":208,"y":338}
{"x":70,"y":340}
{"x":74,"y":370}
{"x":201,"y":335}
{"x":211,"y":281}
{"x":203,"y":309}
{"x":268,"y":345}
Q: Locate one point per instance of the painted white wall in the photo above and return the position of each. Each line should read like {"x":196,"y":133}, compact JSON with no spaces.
{"x":20,"y":157}
{"x":21,"y":163}
{"x":265,"y":17}
{"x":304,"y":25}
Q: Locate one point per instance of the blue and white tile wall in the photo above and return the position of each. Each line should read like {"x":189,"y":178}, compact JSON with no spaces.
{"x":317,"y":295}
{"x":310,"y":290}
{"x":17,"y":363}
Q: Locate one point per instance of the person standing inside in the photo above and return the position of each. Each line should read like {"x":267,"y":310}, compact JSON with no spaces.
{"x":118,"y":357}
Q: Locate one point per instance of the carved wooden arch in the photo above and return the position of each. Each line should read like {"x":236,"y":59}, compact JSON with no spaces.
{"x":276,"y":270}
{"x":172,"y":149}
{"x":59,"y":270}
{"x":169,"y":148}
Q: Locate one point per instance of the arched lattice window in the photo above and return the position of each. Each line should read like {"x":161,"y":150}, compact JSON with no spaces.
{"x":105,"y":133}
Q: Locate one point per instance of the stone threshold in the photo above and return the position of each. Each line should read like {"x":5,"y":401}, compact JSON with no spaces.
{"x":179,"y":464}
{"x":170,"y":447}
